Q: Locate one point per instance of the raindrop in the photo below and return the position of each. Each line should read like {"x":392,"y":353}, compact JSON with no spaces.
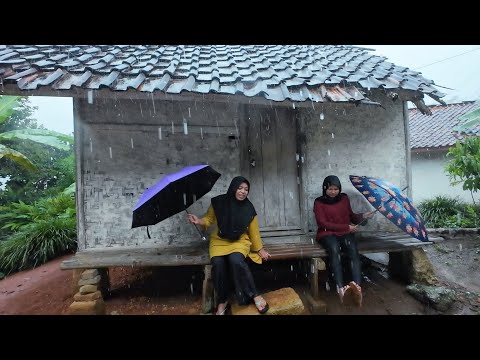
{"x":327,"y":286}
{"x":368,"y":88}
{"x":153,"y":103}
{"x":160,"y":133}
{"x":185,"y":127}
{"x":201,"y":133}
{"x":131,"y":142}
{"x":189,"y":114}
{"x":110,"y":149}
{"x":293,"y":104}
{"x":311,"y":239}
{"x":460,"y":247}
{"x":194,"y":197}
{"x":51,"y":158}
{"x":322,"y":116}
{"x":191,"y":288}
{"x":90,"y":96}
{"x":333,"y":136}
{"x":185,"y":199}
{"x":173,"y":128}
{"x":312,"y":269}
{"x":303,"y":159}
{"x":329,"y":166}
{"x":291,"y":267}
{"x":328,"y":152}
{"x":313,"y":106}
{"x":297,"y":156}
{"x":141,"y":111}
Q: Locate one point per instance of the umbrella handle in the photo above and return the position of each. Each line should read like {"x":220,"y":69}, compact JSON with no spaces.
{"x":195,"y":226}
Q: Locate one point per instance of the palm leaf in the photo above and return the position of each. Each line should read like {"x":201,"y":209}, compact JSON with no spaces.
{"x":16,"y":156}
{"x":7,"y":106}
{"x":46,"y":137}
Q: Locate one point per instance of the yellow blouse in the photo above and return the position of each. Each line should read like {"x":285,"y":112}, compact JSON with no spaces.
{"x":248,"y":244}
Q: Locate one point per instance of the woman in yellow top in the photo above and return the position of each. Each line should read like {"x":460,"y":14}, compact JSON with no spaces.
{"x":236,"y":236}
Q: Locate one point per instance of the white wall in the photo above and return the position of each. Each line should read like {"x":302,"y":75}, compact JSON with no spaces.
{"x":429,"y":178}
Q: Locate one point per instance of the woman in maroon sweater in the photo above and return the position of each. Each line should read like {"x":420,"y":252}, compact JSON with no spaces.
{"x":337,"y":224}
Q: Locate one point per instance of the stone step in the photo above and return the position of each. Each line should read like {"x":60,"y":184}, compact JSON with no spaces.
{"x":281,"y":302}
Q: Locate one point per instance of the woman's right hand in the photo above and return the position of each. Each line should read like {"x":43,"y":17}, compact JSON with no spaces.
{"x":193,"y":219}
{"x":352,"y":228}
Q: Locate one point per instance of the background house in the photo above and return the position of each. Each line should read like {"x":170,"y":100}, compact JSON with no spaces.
{"x":430,"y":139}
{"x":283,"y":116}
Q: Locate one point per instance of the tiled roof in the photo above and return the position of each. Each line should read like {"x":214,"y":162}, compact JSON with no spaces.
{"x":294,"y":72}
{"x":437,"y":130}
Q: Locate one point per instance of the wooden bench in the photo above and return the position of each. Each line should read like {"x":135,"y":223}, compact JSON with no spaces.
{"x":280,"y":248}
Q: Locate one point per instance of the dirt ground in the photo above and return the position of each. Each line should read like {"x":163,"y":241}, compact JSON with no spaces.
{"x":46,"y":290}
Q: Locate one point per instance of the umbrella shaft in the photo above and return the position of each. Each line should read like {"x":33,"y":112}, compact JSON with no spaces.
{"x":195,"y":226}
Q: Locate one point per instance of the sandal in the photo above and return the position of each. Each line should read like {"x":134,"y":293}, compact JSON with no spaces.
{"x":261,"y":305}
{"x":353,"y":294}
{"x":357,"y":293}
{"x":224,"y":309}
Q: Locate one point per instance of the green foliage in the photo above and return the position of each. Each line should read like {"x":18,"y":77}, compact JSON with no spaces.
{"x":39,"y":232}
{"x":446,"y":212}
{"x":7,"y":106}
{"x":9,"y":135}
{"x":465,"y":164}
{"x":55,"y":165}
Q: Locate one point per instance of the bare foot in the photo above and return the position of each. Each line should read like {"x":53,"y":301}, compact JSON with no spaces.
{"x":222,"y":308}
{"x":260,"y":304}
{"x":341,"y":292}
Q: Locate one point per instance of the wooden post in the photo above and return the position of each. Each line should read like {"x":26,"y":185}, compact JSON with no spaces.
{"x":207,"y":290}
{"x":314,"y":278}
{"x":315,"y":304}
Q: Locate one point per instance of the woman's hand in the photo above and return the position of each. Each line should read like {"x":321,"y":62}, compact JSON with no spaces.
{"x":263,"y":254}
{"x":194,"y":219}
{"x":368,"y":215}
{"x":352,"y":228}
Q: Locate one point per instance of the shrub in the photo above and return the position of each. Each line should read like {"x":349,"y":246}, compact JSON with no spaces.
{"x":443,"y":211}
{"x":40,"y":232}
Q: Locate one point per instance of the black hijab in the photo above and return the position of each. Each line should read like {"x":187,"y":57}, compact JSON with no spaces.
{"x":330,"y":180}
{"x":233,"y":216}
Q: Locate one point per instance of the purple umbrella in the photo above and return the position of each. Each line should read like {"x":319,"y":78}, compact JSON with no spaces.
{"x":173,"y":193}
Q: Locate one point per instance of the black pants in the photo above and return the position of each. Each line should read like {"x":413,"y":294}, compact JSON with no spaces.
{"x":338,"y":247}
{"x":228,"y":266}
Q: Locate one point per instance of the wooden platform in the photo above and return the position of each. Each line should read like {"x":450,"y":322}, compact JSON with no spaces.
{"x":286,"y":247}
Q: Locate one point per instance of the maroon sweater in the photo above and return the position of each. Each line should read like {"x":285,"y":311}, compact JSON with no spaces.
{"x":333,"y":219}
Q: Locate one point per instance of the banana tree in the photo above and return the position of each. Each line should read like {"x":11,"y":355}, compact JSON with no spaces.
{"x":46,"y":137}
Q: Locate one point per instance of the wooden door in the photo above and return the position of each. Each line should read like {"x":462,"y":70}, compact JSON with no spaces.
{"x":270,"y":161}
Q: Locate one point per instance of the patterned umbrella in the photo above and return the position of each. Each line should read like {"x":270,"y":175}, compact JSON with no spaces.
{"x":392,"y":203}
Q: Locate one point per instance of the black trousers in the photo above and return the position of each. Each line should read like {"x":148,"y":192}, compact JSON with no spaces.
{"x":234,"y":265}
{"x":343,"y":246}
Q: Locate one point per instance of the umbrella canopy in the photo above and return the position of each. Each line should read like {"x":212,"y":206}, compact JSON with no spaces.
{"x":173,"y":193}
{"x":392,"y":203}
